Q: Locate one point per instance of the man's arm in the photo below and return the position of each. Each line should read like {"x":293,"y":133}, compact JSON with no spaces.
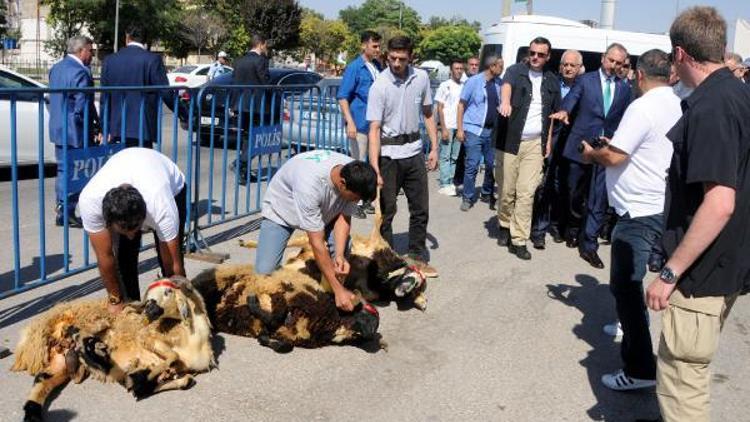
{"x":460,"y":135}
{"x":429,"y":123}
{"x":505,"y":94}
{"x":172,"y":258}
{"x":105,"y":260}
{"x":351,"y":127}
{"x":443,"y":129}
{"x":607,"y":156}
{"x":374,"y":148}
{"x":569,"y":102}
{"x":323,"y":259}
{"x":710,"y":219}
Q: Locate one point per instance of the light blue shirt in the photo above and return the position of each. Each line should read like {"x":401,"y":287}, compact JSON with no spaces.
{"x":474,"y":98}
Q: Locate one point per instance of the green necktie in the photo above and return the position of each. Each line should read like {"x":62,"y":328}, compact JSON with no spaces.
{"x":607,"y":95}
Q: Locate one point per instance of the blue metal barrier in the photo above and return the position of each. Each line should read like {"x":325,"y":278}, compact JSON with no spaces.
{"x":200,"y":130}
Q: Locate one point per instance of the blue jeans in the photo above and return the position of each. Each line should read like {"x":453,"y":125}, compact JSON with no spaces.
{"x":476,"y":148}
{"x":448,"y":157}
{"x":632,"y":241}
{"x":272,"y":242}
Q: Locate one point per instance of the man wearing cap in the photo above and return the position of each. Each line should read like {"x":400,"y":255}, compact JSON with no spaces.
{"x":219,"y":67}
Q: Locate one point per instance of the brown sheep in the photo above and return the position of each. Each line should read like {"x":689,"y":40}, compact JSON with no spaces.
{"x":149,"y":347}
{"x":282,"y":310}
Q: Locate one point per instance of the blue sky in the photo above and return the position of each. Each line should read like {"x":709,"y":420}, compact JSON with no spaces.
{"x":631,"y":15}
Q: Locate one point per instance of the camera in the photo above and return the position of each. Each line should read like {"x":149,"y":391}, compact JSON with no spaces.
{"x":596,"y":143}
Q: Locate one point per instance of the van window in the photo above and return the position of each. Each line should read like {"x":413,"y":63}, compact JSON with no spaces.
{"x":592,"y":60}
{"x":487,"y":50}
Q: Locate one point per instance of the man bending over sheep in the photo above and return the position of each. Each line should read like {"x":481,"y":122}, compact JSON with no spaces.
{"x":137,"y":189}
{"x":317,"y":192}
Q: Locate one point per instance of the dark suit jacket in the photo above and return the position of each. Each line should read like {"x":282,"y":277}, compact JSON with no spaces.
{"x":250,"y":69}
{"x":69,"y":73}
{"x":134,"y":66}
{"x":586,"y":99}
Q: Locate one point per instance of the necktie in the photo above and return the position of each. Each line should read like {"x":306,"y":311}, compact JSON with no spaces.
{"x":607,"y":95}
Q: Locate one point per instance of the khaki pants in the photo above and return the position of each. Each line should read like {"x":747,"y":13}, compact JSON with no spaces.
{"x":522,"y":174}
{"x":358,"y":147}
{"x":689,"y":339}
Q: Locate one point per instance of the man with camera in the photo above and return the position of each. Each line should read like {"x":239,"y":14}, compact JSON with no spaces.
{"x":636,"y":162}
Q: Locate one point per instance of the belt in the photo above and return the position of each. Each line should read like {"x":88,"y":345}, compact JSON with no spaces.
{"x":399,"y":139}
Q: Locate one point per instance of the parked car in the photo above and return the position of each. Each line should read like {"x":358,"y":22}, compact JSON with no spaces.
{"x":191,"y":75}
{"x":308,"y":119}
{"x":27,"y":121}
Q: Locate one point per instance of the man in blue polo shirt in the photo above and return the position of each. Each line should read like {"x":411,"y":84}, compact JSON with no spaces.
{"x":352,"y":95}
{"x":477,"y":111}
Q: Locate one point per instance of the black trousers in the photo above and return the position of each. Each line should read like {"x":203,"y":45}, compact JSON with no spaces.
{"x":134,"y":142}
{"x":411,"y":175}
{"x":128,"y":249}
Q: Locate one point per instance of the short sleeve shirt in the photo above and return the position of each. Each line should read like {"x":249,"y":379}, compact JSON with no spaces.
{"x":155,"y":177}
{"x":301,"y":194}
{"x":449,"y":94}
{"x":712,"y":146}
{"x":397,"y":105}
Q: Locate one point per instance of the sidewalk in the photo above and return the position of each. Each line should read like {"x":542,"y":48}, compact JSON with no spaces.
{"x":501,"y":340}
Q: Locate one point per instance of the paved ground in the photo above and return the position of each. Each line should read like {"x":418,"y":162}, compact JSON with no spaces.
{"x":501,"y":340}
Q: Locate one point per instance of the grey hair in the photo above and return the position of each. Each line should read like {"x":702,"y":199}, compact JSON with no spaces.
{"x":491,"y":59}
{"x":576,"y":53}
{"x":77,"y":43}
{"x":733,"y":57}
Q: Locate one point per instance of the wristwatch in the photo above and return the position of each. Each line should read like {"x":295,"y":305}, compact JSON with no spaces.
{"x":667,"y":275}
{"x":115,"y":299}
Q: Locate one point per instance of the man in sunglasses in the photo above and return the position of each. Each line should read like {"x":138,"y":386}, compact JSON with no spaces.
{"x":706,"y":209}
{"x":522,"y":139}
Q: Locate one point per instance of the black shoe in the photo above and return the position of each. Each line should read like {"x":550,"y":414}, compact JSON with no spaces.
{"x":368,"y":208}
{"x":538,"y":243}
{"x":487,"y":198}
{"x":606,"y":236}
{"x":571,"y":242}
{"x":655,"y":264}
{"x":592,"y":258}
{"x":519,"y":251}
{"x":503,"y":237}
{"x":73,"y":221}
{"x":556,"y":236}
{"x":360,"y":213}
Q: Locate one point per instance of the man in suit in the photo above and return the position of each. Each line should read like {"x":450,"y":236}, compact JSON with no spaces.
{"x":82,"y":121}
{"x":252,"y":69}
{"x":133,"y":66}
{"x":599,"y":98}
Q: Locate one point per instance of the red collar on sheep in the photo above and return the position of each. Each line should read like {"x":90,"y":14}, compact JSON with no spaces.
{"x":422,"y":278}
{"x":164,"y":282}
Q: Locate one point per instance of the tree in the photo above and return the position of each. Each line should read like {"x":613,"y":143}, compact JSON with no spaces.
{"x":449,"y":42}
{"x":3,"y":18}
{"x":325,"y":38}
{"x":278,"y":20}
{"x":382,"y":14}
{"x":202,"y":29}
{"x":436,"y":22}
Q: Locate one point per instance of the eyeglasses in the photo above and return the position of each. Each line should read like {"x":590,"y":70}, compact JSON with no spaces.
{"x":537,"y":54}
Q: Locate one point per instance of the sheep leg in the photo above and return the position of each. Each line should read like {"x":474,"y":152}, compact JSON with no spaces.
{"x":44,"y":383}
{"x":165,"y":352}
{"x":182,"y":383}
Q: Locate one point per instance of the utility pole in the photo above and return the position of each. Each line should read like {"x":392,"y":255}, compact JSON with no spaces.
{"x":400,"y":13}
{"x":117,"y":21}
{"x":506,"y":8}
{"x":529,"y":7}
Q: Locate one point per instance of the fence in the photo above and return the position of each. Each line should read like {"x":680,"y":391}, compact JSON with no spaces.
{"x":227,"y":139}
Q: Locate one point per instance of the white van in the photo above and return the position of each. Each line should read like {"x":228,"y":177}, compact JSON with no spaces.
{"x":511,"y":37}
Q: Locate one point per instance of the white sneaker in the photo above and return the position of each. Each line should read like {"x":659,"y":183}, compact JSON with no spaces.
{"x":614,"y":329}
{"x":450,"y":189}
{"x":618,"y":381}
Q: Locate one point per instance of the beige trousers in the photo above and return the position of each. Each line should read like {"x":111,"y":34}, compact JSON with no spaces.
{"x":689,"y":339}
{"x":522,"y":173}
{"x":358,"y":147}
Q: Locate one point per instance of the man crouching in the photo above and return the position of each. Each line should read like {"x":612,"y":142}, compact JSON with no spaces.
{"x":317,"y":192}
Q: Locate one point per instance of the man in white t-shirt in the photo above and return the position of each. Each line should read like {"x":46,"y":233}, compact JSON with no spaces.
{"x":534,"y":94}
{"x":317,"y":192}
{"x":637,"y":160}
{"x":448,"y":96}
{"x":137,"y":189}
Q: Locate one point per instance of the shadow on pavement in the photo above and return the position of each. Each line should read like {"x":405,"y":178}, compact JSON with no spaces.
{"x":595,"y":302}
{"x":53,"y":263}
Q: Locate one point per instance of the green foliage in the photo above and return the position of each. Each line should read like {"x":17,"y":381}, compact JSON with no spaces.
{"x":381,"y":14}
{"x":448,"y":42}
{"x":3,"y":18}
{"x":325,"y":38}
{"x":436,"y":22}
{"x":278,"y":20}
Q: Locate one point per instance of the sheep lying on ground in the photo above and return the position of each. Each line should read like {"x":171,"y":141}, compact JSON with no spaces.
{"x":377,"y":271}
{"x":149,"y":347}
{"x":282,"y":310}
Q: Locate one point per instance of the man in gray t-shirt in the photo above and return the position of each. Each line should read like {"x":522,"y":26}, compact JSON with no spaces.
{"x":317,"y":192}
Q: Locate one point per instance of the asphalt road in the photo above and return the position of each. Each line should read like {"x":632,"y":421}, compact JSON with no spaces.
{"x":501,"y":340}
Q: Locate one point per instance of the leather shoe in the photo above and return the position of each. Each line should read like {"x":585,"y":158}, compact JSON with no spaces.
{"x":519,"y":251}
{"x":556,"y":236}
{"x":538,"y":243}
{"x":571,"y":242}
{"x":592,"y":258}
{"x":503,"y":237}
{"x":73,"y":221}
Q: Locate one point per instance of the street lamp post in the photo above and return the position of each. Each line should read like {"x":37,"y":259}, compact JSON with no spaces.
{"x":400,"y":13}
{"x":117,"y":22}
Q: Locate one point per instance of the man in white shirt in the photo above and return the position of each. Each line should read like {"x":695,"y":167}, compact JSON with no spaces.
{"x":317,"y":192}
{"x":637,"y":160}
{"x":137,"y":189}
{"x":219,"y":67}
{"x":447,"y":97}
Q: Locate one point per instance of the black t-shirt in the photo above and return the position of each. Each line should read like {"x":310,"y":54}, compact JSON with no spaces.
{"x":492,"y":102}
{"x":712,"y":146}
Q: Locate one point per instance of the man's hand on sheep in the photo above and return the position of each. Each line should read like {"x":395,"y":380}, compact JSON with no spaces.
{"x":344,"y":299}
{"x":342,"y":267}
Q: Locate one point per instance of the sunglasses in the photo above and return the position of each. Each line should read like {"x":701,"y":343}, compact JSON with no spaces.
{"x":537,"y":54}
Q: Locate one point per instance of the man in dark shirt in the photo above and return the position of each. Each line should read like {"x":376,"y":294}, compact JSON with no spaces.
{"x":708,"y":199}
